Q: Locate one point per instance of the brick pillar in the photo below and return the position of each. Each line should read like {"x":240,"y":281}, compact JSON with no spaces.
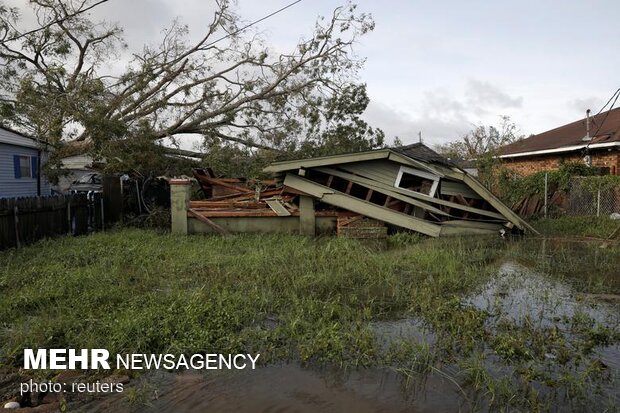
{"x":179,"y":204}
{"x":307,"y":218}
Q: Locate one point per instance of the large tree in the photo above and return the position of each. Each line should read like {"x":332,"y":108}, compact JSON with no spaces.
{"x":56,"y":81}
{"x":482,"y":141}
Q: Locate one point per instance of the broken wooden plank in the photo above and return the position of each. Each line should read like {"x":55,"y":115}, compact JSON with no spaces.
{"x":240,"y":195}
{"x":497,"y":204}
{"x":292,"y":191}
{"x":473,"y":224}
{"x":422,"y":200}
{"x":388,"y":191}
{"x":278,"y":207}
{"x":207,"y":221}
{"x":256,"y":213}
{"x":349,"y":186}
{"x":329,"y":181}
{"x":341,"y":200}
{"x":457,"y":188}
{"x":405,"y":160}
{"x":344,"y":221}
{"x":327,"y":160}
{"x":452,"y":230}
{"x":220,"y":182}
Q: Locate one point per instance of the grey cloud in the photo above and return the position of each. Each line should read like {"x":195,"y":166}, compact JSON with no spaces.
{"x":443,"y":115}
{"x":440,"y":103}
{"x":481,"y":94}
{"x":581,"y":105}
{"x":396,"y":123}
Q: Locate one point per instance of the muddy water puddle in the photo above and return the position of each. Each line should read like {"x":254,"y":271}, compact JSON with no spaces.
{"x":291,"y":388}
{"x":525,"y":295}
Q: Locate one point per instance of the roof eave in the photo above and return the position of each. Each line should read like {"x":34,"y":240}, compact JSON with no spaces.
{"x":325,"y":160}
{"x":560,"y":150}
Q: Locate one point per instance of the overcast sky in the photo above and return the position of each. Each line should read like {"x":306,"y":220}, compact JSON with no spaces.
{"x":441,"y":66}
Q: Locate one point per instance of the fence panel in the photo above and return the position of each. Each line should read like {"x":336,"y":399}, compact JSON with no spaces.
{"x":584,"y":200}
{"x":26,"y":220}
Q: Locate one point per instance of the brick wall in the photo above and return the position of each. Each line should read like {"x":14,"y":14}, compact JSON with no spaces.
{"x":532,"y":164}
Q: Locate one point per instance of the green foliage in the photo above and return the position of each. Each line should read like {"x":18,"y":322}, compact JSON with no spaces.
{"x":481,"y":145}
{"x":334,"y":128}
{"x":597,"y":227}
{"x":56,"y":84}
{"x":593,"y":184}
{"x":482,"y":141}
{"x":231,"y":160}
{"x":513,"y":188}
{"x":141,"y":154}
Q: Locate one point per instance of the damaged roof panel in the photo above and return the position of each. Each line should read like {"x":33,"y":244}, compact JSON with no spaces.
{"x":463,"y":196}
{"x":410,"y":187}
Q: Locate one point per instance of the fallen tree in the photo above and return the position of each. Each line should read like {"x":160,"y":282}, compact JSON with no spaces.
{"x":56,"y":82}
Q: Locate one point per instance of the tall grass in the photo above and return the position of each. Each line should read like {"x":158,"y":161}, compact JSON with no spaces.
{"x":577,"y":226}
{"x":286,"y":297}
{"x":140,"y":291}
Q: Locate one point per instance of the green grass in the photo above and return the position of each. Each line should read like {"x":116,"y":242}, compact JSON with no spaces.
{"x":140,"y":291}
{"x":588,"y":226}
{"x":286,"y":297}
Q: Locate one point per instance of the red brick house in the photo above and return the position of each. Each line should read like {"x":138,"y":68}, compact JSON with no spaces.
{"x":569,"y":143}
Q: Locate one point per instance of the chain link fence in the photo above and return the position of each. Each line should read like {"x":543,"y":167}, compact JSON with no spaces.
{"x":583,"y":199}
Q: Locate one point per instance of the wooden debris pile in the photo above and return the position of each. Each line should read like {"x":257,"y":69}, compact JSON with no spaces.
{"x":236,"y":197}
{"x":533,"y":205}
{"x":360,"y":227}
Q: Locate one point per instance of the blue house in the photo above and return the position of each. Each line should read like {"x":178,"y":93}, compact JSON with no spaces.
{"x":21,"y":162}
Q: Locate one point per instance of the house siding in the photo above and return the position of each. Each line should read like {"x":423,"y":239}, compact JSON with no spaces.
{"x":532,"y":164}
{"x":18,"y":187}
{"x":12,"y":138}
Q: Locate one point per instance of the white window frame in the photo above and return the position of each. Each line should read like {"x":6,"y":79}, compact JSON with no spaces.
{"x":29,"y":176}
{"x":421,"y":174}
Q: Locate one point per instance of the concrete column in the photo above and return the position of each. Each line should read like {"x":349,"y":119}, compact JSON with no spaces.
{"x":307,"y":224}
{"x":179,"y":204}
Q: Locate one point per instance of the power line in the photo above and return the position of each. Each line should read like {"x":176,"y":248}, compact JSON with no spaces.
{"x":61,"y":20}
{"x":615,"y":97}
{"x":604,"y":106}
{"x":253,"y":23}
{"x":104,"y":1}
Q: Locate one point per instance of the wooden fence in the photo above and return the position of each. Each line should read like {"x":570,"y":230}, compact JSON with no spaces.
{"x":26,"y":220}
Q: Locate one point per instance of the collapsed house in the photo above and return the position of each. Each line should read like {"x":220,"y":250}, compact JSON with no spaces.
{"x":410,"y":187}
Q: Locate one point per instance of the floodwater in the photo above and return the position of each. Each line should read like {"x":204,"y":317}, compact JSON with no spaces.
{"x":290,"y":388}
{"x":544,"y":284}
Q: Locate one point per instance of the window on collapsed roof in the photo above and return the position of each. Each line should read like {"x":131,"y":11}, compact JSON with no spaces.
{"x":414,"y":180}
